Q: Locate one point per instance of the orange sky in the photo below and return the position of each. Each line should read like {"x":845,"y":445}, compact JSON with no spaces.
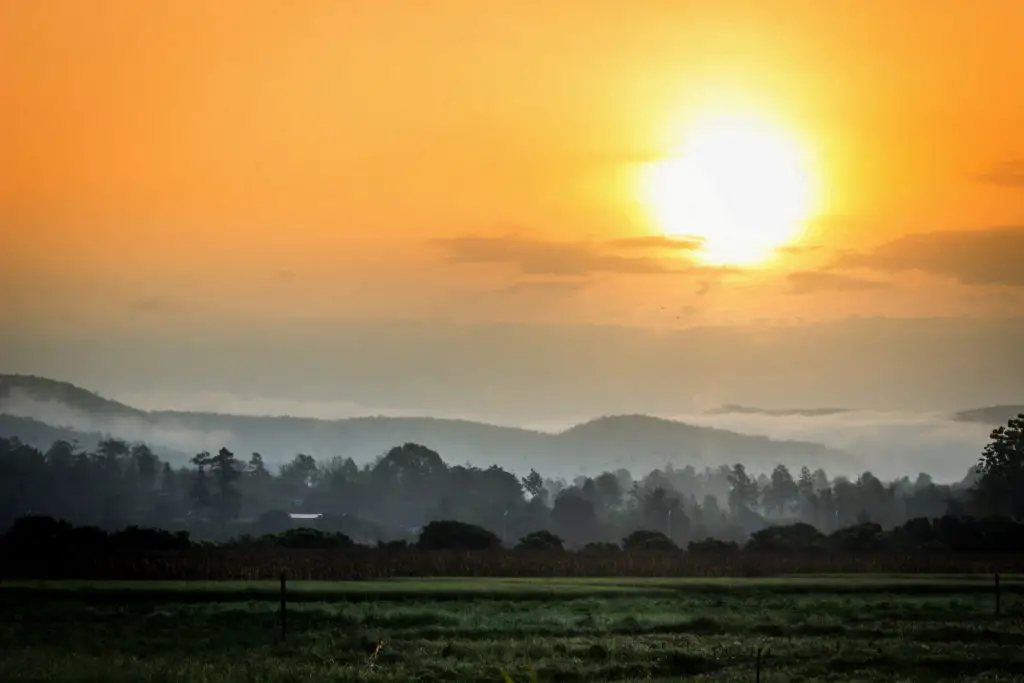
{"x":262,"y":160}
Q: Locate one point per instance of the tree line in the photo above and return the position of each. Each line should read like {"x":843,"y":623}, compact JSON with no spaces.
{"x":395,"y":498}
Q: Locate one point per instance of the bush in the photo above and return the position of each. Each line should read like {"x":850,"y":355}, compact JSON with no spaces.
{"x":712,"y":546}
{"x":647,"y":541}
{"x":601,"y":547}
{"x":139,"y":538}
{"x":540,"y":540}
{"x":310,"y":538}
{"x":860,"y":538}
{"x":452,"y":535}
{"x":790,"y":538}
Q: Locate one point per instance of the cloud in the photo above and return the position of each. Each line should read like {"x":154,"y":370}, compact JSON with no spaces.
{"x":730,"y":409}
{"x":1005,"y":174}
{"x":542,"y":287}
{"x":154,"y":304}
{"x":794,"y":250}
{"x":975,"y":257}
{"x":688,"y":243}
{"x":543,"y":257}
{"x":814,"y":281}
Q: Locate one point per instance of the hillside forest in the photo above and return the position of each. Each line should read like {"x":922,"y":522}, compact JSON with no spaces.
{"x":220,"y":496}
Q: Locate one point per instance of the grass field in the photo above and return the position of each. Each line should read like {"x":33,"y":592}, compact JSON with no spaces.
{"x":893,"y":628}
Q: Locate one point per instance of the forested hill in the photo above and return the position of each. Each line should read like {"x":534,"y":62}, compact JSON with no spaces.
{"x":626,"y":441}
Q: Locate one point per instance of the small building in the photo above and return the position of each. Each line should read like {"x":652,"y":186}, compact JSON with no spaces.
{"x":305,"y":515}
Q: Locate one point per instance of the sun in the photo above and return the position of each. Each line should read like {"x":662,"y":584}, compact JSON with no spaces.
{"x":740,"y":185}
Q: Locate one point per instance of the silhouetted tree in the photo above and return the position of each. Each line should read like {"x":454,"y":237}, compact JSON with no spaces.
{"x":200,"y":491}
{"x":540,"y":540}
{"x":1000,"y":489}
{"x":743,"y":492}
{"x":533,"y":484}
{"x":225,"y":469}
{"x":781,"y":491}
{"x":646,"y":540}
{"x":573,"y":517}
{"x":452,"y":535}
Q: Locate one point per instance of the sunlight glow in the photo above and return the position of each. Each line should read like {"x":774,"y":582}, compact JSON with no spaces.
{"x":740,"y":185}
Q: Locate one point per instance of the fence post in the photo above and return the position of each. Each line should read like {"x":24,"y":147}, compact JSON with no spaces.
{"x":284,"y":606}
{"x":757,"y":666}
{"x":997,"y":594}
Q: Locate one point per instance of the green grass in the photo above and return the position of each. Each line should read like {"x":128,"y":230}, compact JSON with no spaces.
{"x":817,"y":628}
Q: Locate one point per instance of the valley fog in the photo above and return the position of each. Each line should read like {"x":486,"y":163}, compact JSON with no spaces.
{"x":888,"y":443}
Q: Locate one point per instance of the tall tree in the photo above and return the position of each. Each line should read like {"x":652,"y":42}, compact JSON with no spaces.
{"x":256,"y":468}
{"x":168,"y":481}
{"x":225,"y":469}
{"x":573,"y":517}
{"x":781,"y":491}
{"x":662,"y":511}
{"x":743,"y":490}
{"x":200,"y":491}
{"x":147,"y":466}
{"x":805,"y":484}
{"x":1000,"y":488}
{"x":533,"y":484}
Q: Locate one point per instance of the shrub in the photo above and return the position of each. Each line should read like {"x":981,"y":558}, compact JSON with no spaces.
{"x":712,"y":546}
{"x":648,"y":540}
{"x":601,"y":547}
{"x":790,"y":538}
{"x":452,"y":535}
{"x":540,"y":540}
{"x":861,"y":538}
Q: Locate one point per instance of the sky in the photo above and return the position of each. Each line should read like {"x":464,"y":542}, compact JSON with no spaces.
{"x":444,"y":206}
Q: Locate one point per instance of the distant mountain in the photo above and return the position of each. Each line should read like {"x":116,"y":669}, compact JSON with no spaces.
{"x":43,"y":389}
{"x":992,"y":415}
{"x":746,"y":410}
{"x":636,"y":442}
{"x":41,"y":435}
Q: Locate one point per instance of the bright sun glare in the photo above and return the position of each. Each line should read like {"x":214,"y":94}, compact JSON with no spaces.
{"x":740,"y":185}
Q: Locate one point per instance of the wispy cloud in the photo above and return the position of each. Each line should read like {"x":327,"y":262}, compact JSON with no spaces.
{"x":563,"y":258}
{"x":154,"y":305}
{"x":543,"y":287}
{"x":816,"y":281}
{"x":972,"y":257}
{"x":1005,"y":174}
{"x":664,"y":242}
{"x":795,"y":250}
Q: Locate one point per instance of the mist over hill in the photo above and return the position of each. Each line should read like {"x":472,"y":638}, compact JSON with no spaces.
{"x":731,"y":409}
{"x":635,"y":442}
{"x":990,"y":415}
{"x":844,"y":441}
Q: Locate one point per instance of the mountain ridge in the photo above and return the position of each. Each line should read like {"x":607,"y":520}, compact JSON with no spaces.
{"x":635,"y":441}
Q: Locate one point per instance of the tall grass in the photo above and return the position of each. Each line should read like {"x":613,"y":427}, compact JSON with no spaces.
{"x":209,"y":564}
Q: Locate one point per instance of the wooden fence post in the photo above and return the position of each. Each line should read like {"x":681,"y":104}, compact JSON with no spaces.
{"x":997,"y":594}
{"x":757,"y":666}
{"x":284,"y":606}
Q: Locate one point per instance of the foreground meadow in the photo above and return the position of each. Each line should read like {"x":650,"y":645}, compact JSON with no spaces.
{"x":829,"y":628}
